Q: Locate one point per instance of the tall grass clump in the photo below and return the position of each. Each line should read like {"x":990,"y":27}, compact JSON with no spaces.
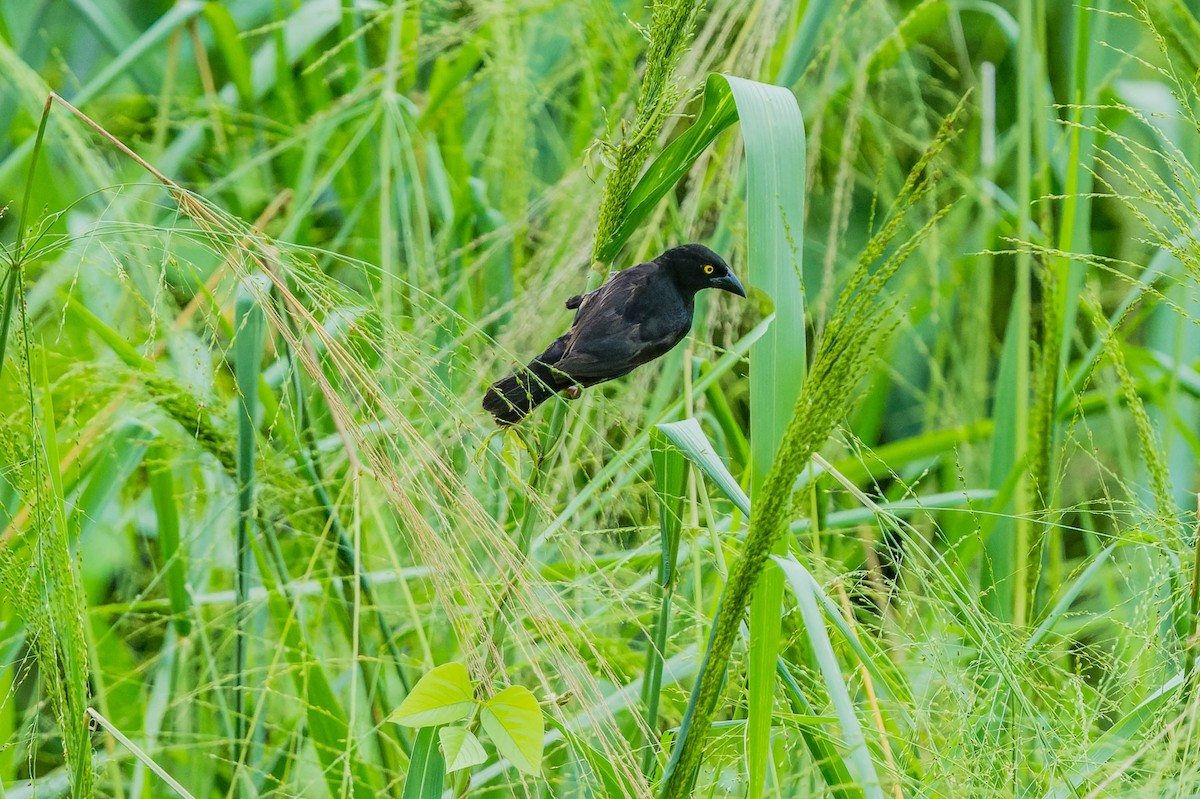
{"x":261,"y":260}
{"x":862,"y":316}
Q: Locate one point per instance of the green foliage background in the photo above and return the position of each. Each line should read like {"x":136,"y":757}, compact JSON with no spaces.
{"x":248,"y":496}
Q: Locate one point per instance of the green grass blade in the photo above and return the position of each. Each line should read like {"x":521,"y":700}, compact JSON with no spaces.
{"x":670,"y":474}
{"x":9,"y":280}
{"x":613,"y":784}
{"x":901,"y":508}
{"x":1116,"y":739}
{"x":1002,"y":561}
{"x":248,"y":348}
{"x":124,"y":451}
{"x":175,"y":18}
{"x":427,"y":769}
{"x":166,"y":511}
{"x":719,"y":408}
{"x":328,"y":728}
{"x":115,"y":341}
{"x":800,"y":50}
{"x":858,"y":757}
{"x":773,"y":134}
{"x":695,"y":446}
{"x":1069,"y":596}
{"x":831,"y":765}
{"x":719,"y":112}
{"x":229,"y":43}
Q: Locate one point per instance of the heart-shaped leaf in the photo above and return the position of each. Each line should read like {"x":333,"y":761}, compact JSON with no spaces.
{"x":440,"y":697}
{"x":461,"y":748}
{"x":514,"y":721}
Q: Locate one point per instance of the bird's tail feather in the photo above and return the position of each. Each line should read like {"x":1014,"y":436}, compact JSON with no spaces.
{"x":510,"y":399}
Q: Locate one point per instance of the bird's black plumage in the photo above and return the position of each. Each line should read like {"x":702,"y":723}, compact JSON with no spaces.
{"x":638,"y":315}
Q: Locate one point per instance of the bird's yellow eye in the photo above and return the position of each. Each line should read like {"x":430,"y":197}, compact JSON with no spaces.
{"x":708,"y":269}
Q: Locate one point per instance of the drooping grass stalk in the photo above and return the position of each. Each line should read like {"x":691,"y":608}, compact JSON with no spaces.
{"x":860,"y":319}
{"x":356,"y":587}
{"x":671,"y":25}
{"x":1160,"y":478}
{"x":306,"y":451}
{"x":328,"y":722}
{"x":552,"y":435}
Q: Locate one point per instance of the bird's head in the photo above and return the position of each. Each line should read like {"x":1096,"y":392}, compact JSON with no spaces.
{"x":694,"y":267}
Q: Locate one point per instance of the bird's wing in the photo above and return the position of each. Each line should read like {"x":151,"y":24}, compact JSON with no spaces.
{"x":579,"y":300}
{"x":634,"y":318}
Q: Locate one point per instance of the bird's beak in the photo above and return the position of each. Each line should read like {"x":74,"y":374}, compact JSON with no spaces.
{"x":729,"y":283}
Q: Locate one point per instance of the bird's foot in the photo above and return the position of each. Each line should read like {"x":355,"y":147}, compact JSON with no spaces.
{"x":573,"y":392}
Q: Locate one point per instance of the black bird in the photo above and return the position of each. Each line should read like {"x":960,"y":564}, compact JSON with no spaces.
{"x":638,"y":315}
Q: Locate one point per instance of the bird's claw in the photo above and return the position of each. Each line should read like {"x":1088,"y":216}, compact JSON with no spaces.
{"x":573,"y":392}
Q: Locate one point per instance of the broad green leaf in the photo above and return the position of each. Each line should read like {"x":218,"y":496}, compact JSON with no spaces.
{"x":443,"y":695}
{"x":460,"y":748}
{"x":426,"y":768}
{"x":514,"y":721}
{"x":688,"y":436}
{"x":773,"y":133}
